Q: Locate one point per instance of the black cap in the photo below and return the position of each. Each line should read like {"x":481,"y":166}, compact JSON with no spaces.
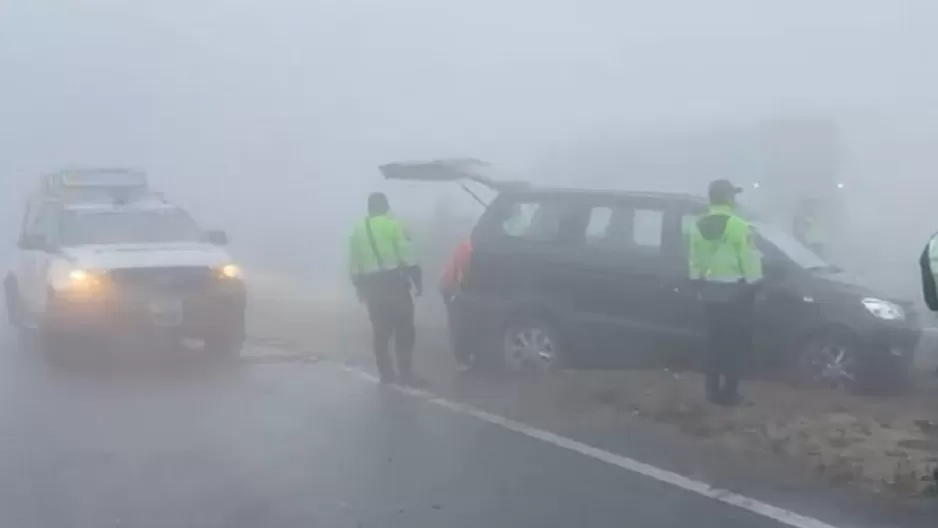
{"x":722,"y":191}
{"x":377,"y":203}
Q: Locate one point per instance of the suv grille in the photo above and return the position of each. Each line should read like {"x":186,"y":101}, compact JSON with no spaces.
{"x":167,"y":279}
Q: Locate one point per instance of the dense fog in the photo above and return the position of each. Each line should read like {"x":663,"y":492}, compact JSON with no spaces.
{"x":268,"y":118}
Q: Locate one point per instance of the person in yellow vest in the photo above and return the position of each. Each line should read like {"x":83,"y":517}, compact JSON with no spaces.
{"x":806,"y":227}
{"x":725,"y":267}
{"x":928,"y":263}
{"x":386,"y":276}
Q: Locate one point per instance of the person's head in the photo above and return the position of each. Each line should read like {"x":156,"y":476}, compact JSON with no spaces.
{"x":378,"y":204}
{"x":723,"y":192}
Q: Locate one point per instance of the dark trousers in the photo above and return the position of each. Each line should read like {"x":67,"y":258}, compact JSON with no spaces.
{"x":459,"y":350}
{"x":730,"y":341}
{"x":391,"y":309}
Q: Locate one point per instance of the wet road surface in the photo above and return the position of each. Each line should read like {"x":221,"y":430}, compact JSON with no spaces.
{"x":291,"y":444}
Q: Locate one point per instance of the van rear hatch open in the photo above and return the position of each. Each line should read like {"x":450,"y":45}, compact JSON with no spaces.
{"x":455,"y":170}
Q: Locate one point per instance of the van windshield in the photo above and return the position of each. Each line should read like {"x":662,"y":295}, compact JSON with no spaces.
{"x":128,"y":227}
{"x":790,"y":247}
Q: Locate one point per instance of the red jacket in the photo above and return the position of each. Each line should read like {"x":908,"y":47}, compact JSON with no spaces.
{"x":456,"y":269}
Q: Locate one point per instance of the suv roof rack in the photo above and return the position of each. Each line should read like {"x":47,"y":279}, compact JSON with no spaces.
{"x":458,"y":170}
{"x":87,"y":178}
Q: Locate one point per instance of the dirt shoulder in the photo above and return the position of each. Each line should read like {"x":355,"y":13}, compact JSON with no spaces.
{"x":884,"y":445}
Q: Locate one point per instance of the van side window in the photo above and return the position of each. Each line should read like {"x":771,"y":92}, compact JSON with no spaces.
{"x":647,"y":228}
{"x":535,"y":220}
{"x":625,"y":228}
{"x":598,"y":225}
{"x":519,"y":219}
{"x":688,"y":225}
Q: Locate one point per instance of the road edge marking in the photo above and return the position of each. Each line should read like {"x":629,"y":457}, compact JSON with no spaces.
{"x":763,"y":509}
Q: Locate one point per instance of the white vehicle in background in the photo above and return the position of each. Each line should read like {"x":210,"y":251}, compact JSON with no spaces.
{"x":102,"y":256}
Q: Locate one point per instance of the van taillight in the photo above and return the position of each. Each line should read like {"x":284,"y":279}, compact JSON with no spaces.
{"x":461,"y":260}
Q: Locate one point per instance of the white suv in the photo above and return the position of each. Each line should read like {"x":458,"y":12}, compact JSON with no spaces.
{"x":99,"y":269}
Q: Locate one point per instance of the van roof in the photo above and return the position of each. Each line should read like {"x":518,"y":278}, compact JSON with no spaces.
{"x":602,"y":193}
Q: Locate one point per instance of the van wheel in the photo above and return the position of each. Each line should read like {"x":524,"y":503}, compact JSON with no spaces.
{"x":12,"y":295}
{"x":829,"y":360}
{"x":531,"y":344}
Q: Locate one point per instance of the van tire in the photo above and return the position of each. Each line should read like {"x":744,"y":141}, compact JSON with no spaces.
{"x":530,"y":344}
{"x":826,"y":359}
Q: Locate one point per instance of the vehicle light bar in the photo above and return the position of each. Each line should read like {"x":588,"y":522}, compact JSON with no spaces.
{"x":95,"y":178}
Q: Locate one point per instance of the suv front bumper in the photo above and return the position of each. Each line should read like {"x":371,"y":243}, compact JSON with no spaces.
{"x":219,"y":312}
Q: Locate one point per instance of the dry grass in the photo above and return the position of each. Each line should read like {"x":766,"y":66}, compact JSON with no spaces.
{"x":882,"y":444}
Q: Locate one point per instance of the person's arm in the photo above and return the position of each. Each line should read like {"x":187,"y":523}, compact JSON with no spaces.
{"x":745,"y":248}
{"x":355,"y":261}
{"x":928,"y":262}
{"x":404,"y":247}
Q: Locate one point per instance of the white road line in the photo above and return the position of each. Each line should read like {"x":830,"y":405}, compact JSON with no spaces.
{"x":781,"y":515}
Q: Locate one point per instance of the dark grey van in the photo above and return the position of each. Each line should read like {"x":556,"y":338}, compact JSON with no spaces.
{"x":599,"y":279}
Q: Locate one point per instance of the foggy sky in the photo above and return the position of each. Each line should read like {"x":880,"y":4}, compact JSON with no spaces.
{"x":285,"y":106}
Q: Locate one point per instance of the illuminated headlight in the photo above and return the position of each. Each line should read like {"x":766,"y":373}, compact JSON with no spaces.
{"x":228,"y":271}
{"x":884,"y":309}
{"x":81,"y":280}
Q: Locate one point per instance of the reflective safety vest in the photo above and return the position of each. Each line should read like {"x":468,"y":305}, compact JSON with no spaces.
{"x":929,"y":265}
{"x":722,"y":249}
{"x":379,"y":243}
{"x":812,"y":235}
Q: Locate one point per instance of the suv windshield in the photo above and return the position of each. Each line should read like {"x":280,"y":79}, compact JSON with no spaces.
{"x":790,"y":247}
{"x":128,"y":227}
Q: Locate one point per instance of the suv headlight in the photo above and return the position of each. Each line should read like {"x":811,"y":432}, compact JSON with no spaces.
{"x":884,"y":309}
{"x":228,"y":272}
{"x":79,"y":280}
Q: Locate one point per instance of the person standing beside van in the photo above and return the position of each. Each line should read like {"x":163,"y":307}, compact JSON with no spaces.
{"x":928,"y":262}
{"x":385,"y":275}
{"x":725,"y":266}
{"x":450,"y":284}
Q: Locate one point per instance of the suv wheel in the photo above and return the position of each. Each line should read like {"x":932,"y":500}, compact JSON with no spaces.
{"x":531,"y":345}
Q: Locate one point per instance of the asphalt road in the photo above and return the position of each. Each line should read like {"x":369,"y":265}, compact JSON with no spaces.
{"x":183,"y":444}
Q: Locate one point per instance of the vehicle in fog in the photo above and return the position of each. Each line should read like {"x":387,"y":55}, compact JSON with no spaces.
{"x":591,"y":278}
{"x":108,"y":257}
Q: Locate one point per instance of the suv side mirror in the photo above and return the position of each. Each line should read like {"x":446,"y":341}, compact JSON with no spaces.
{"x":216,"y":237}
{"x":33,"y":242}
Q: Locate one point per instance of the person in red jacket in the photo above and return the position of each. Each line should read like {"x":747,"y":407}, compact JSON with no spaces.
{"x":449,"y":286}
